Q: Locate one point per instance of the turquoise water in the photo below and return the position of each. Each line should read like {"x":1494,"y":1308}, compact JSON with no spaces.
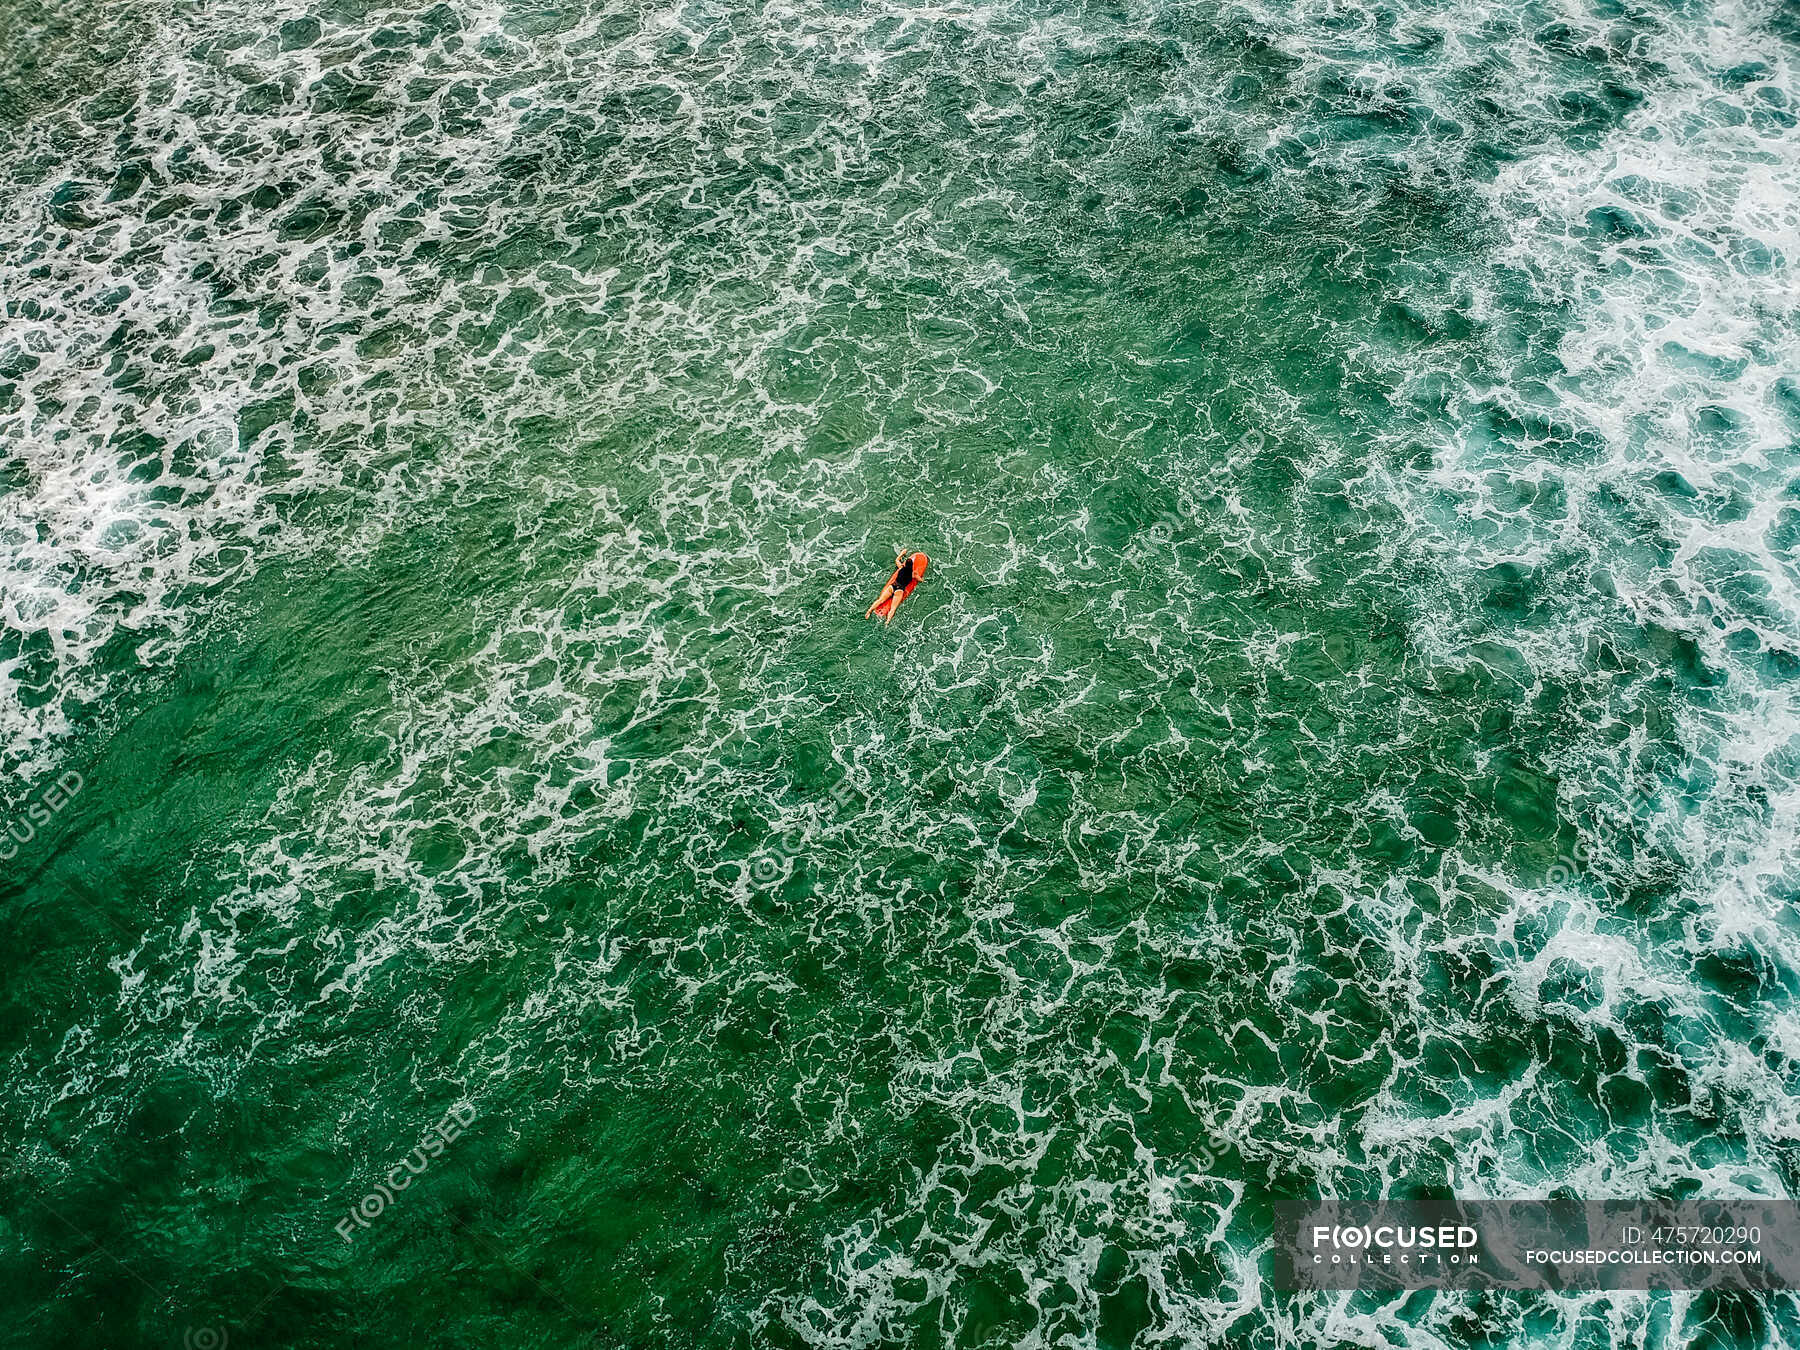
{"x":1346,"y":738}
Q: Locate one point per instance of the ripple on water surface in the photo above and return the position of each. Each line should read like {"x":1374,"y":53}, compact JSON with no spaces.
{"x":1346,"y":734}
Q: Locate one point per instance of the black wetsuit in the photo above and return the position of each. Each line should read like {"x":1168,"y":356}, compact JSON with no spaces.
{"x":903,"y":578}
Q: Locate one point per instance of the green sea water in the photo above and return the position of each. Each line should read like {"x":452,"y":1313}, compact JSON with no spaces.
{"x":1345,"y":742}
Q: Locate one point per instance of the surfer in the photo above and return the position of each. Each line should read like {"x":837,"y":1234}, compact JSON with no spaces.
{"x":907,"y":571}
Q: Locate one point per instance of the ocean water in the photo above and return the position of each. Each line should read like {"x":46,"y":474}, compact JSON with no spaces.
{"x":1347,"y":737}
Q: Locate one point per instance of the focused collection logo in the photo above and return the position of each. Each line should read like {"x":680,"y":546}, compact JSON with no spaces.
{"x":1431,"y":1242}
{"x":1390,"y":1243}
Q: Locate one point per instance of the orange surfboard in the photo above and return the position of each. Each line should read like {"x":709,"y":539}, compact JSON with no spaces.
{"x":890,"y":599}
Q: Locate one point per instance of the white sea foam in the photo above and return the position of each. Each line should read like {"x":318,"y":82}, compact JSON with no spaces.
{"x":578,"y":799}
